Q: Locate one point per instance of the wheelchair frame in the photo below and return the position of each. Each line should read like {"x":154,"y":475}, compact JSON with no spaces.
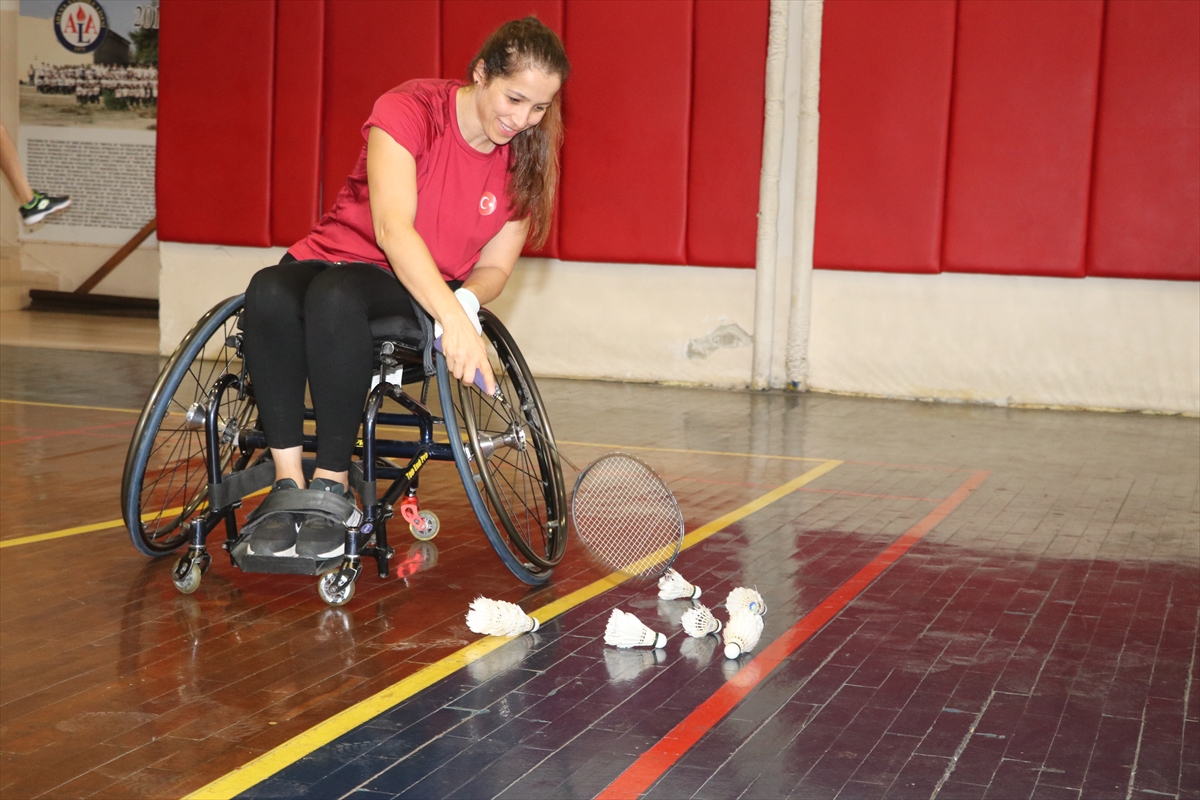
{"x":236,"y":463}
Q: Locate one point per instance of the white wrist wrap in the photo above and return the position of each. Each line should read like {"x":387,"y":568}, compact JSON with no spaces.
{"x":470,"y":303}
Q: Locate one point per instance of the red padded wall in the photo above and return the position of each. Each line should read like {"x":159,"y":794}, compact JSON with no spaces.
{"x":886,"y":69}
{"x":296,"y":148}
{"x":214,"y":122}
{"x":466,"y":24}
{"x":1021,"y":136}
{"x":1146,"y":191}
{"x":371,"y":46}
{"x":625,"y":160}
{"x":725,"y":157}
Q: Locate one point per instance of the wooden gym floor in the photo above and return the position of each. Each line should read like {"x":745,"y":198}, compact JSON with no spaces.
{"x":965,"y":602}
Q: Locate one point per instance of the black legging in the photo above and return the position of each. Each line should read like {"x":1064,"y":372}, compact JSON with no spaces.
{"x":310,"y":319}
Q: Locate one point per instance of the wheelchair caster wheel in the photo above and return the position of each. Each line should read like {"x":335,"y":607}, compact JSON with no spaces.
{"x":432,"y":526}
{"x":190,"y":581}
{"x":337,"y":587}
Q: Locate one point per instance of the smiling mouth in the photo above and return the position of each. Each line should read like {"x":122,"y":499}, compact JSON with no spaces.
{"x":510,"y":132}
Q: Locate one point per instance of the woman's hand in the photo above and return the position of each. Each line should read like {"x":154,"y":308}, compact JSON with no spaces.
{"x":464,"y":350}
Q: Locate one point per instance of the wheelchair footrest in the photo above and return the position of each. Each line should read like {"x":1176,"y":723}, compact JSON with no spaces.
{"x":279,"y":564}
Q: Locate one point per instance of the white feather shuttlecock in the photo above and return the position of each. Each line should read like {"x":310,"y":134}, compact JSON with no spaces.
{"x":673,"y":586}
{"x":626,"y":630}
{"x":743,"y":599}
{"x":699,"y":621}
{"x":498,"y":618}
{"x":742,"y":632}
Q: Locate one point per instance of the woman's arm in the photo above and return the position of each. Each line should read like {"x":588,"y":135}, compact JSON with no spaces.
{"x":392,"y":179}
{"x":496,"y":261}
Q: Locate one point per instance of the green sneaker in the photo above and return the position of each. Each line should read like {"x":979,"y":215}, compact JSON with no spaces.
{"x":42,"y":206}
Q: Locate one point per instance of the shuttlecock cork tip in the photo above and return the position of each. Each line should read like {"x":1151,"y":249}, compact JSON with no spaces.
{"x":536,"y":624}
{"x":732,"y":651}
{"x":660,"y":641}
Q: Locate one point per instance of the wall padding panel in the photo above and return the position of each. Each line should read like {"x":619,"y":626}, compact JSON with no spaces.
{"x":213,"y":180}
{"x":296,"y":148}
{"x":625,"y":161}
{"x":466,"y":24}
{"x":371,"y":46}
{"x":886,"y":69}
{"x":1021,"y":136}
{"x":725,"y":156}
{"x":1146,"y":196}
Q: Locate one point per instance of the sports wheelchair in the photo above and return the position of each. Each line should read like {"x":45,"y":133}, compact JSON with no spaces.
{"x":199,"y":450}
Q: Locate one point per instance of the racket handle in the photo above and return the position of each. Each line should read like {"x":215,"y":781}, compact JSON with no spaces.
{"x":479,"y":382}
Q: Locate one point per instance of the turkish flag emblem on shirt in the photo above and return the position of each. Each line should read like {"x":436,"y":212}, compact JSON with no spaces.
{"x":487,"y":203}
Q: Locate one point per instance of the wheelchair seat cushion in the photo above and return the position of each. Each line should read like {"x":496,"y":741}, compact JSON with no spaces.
{"x":403,"y":329}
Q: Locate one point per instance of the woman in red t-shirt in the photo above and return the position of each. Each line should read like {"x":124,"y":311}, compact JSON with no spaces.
{"x":453,"y":179}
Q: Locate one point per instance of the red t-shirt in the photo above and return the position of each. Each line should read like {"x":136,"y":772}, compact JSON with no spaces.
{"x":462,"y":198}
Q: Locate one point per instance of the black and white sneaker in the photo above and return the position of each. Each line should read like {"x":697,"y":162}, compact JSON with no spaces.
{"x":318,"y":538}
{"x":42,"y":206}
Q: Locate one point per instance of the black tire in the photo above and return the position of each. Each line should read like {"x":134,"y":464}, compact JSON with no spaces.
{"x":525,"y":512}
{"x":165,"y":483}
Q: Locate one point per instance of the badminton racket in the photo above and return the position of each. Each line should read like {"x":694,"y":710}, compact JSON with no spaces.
{"x":622,"y":511}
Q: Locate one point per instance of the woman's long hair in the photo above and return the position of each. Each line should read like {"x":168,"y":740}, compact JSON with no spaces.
{"x":533,"y":153}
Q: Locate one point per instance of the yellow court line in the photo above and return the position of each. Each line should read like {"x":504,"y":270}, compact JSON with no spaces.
{"x":698,"y":452}
{"x":99,"y":526}
{"x":96,"y":526}
{"x":64,"y":405}
{"x":291,"y":751}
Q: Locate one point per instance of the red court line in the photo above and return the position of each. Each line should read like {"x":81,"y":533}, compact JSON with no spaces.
{"x":651,"y":765}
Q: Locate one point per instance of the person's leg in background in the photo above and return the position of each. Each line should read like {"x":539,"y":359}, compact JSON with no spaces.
{"x":35,"y":206}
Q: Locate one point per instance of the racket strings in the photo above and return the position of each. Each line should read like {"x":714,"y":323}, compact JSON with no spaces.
{"x":627,"y":516}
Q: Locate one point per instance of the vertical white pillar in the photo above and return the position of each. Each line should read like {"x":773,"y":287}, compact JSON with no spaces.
{"x":800,"y":305}
{"x":768,"y":197}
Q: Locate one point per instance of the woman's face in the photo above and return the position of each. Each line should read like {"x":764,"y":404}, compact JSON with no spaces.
{"x":507,"y":106}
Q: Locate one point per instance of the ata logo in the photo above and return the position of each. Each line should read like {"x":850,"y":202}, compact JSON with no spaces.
{"x":80,"y":25}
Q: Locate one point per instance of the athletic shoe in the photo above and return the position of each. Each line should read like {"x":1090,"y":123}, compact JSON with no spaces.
{"x":277,"y":536}
{"x":320,"y":538}
{"x":42,"y":206}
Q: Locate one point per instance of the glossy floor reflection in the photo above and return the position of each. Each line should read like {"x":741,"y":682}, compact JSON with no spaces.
{"x":1038,"y":639}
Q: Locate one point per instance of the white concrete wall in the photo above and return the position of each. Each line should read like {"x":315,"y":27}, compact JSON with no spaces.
{"x":639,"y":322}
{"x":1095,"y":342}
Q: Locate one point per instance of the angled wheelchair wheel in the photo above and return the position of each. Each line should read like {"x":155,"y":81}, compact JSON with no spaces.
{"x":504,"y":450}
{"x":165,"y":483}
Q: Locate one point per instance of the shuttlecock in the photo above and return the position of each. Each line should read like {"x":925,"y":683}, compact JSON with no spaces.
{"x":626,"y":630}
{"x":699,"y":621}
{"x":672,"y":586}
{"x":743,"y":599}
{"x":742,"y":632}
{"x":498,"y":618}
